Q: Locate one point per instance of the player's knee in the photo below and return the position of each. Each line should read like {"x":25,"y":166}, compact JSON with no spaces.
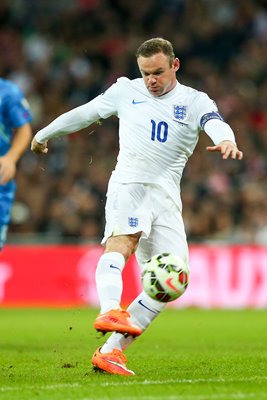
{"x":124,"y":244}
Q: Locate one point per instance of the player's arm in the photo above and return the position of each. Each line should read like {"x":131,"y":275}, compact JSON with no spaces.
{"x":218,"y":130}
{"x":223,"y":138}
{"x":69,"y":122}
{"x":8,"y":162}
{"x":79,"y":118}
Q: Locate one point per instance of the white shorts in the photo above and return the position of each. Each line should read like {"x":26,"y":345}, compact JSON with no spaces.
{"x":146,"y":208}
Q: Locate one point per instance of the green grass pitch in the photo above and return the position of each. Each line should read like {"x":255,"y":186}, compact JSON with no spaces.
{"x":184,"y":355}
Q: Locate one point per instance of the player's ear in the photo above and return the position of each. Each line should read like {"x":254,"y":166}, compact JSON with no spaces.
{"x":176,"y":64}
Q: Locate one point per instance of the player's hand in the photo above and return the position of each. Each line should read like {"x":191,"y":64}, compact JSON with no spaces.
{"x":227,"y":149}
{"x":39,"y":147}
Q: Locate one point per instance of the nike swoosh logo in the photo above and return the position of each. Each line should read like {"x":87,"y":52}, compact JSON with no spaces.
{"x":179,"y":122}
{"x":169,"y":283}
{"x":149,"y":309}
{"x":138,"y":102}
{"x":118,"y":365}
{"x":113,"y":266}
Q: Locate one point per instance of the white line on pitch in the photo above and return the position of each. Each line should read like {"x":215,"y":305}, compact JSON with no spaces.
{"x":232,"y":396}
{"x":135,"y":383}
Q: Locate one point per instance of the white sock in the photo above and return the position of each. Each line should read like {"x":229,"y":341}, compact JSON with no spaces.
{"x":109,"y":280}
{"x":143,"y":311}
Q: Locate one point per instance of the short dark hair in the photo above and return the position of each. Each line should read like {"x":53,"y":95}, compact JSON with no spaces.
{"x":154,"y":46}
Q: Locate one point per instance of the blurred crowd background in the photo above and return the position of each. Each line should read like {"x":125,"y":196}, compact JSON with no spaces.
{"x":63,"y":53}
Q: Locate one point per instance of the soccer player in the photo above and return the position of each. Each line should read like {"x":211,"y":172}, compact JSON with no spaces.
{"x":159,"y":124}
{"x":15,"y":137}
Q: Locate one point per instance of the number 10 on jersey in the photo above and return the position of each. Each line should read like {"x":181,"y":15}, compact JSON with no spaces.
{"x":159,"y":131}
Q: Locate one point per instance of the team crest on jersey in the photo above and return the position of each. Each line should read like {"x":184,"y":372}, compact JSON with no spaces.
{"x":133,"y":222}
{"x":179,"y":112}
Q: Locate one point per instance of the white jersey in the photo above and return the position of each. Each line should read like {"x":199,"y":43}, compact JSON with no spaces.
{"x":156,"y":134}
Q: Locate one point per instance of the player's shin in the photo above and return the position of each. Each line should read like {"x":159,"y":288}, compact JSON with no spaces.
{"x":109,"y":280}
{"x":144,"y":310}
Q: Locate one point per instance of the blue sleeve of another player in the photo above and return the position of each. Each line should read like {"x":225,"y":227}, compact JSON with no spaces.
{"x":17,"y":108}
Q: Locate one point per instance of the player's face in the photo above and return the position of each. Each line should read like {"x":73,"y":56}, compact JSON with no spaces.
{"x":159,"y":76}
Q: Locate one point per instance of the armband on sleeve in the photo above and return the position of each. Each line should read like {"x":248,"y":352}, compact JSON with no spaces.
{"x":206,"y":117}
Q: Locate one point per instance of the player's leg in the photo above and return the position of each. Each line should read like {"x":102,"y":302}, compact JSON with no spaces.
{"x":3,"y":235}
{"x":124,"y":226}
{"x":7,"y":194}
{"x":110,"y":357}
{"x":167,"y":235}
{"x":127,"y":211}
{"x":111,"y":317}
{"x":109,"y":285}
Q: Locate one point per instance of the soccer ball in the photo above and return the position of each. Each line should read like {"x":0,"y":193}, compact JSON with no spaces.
{"x":165,"y":277}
